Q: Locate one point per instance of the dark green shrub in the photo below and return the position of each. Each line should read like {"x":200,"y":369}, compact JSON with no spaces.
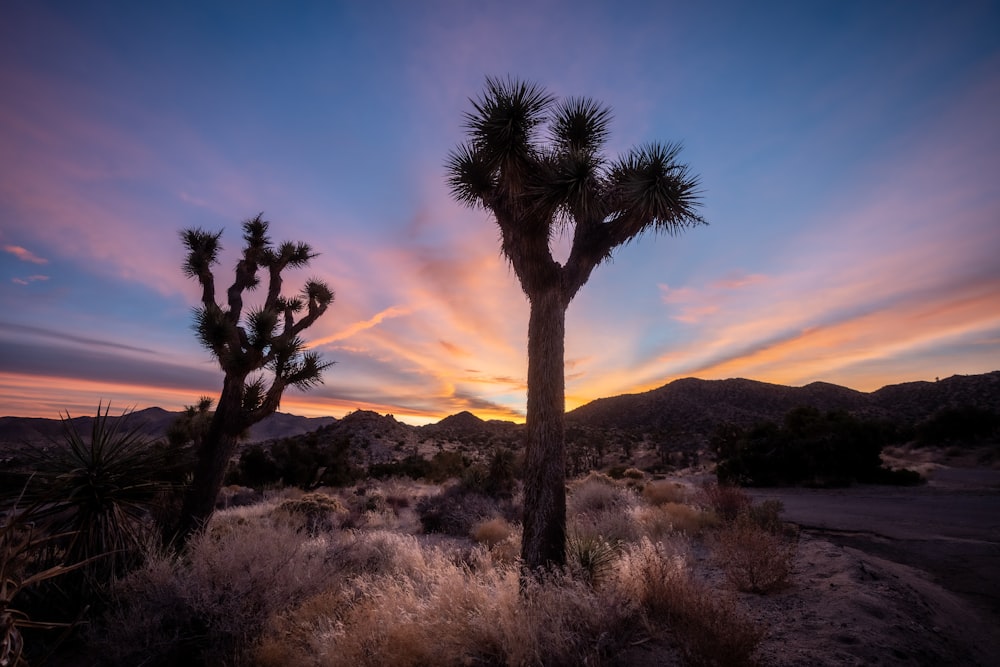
{"x":811,"y":448}
{"x":959,"y":424}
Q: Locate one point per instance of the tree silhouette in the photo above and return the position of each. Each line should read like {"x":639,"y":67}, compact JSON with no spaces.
{"x":265,"y":343}
{"x":534,"y":184}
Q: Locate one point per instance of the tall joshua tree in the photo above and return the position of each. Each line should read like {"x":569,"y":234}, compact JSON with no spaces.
{"x":534,"y":182}
{"x":266,"y":338}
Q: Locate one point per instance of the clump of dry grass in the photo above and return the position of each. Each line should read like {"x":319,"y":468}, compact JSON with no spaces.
{"x":754,"y":559}
{"x":449,"y":615}
{"x":661,"y":492}
{"x":708,"y":628}
{"x":208,"y":606}
{"x":491,"y":531}
{"x":597,"y":493}
{"x":313,"y":512}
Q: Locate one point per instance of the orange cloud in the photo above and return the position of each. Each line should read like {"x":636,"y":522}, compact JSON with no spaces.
{"x":24,"y":254}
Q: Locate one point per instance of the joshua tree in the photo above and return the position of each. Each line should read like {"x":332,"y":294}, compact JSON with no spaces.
{"x":533,"y":184}
{"x":267,"y":339}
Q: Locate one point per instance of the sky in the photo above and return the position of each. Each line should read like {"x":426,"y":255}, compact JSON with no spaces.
{"x":848,"y":154}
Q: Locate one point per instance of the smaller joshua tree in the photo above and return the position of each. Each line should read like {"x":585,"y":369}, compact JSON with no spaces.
{"x":264,"y":343}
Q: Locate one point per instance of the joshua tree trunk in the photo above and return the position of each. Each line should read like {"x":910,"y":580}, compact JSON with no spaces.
{"x":214,"y":454}
{"x":544,"y":538}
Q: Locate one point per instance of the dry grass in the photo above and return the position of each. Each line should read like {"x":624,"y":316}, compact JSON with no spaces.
{"x":708,"y":628}
{"x":491,"y":532}
{"x":207,"y":607}
{"x":663,"y":491}
{"x":253,"y":590}
{"x":755,"y":560}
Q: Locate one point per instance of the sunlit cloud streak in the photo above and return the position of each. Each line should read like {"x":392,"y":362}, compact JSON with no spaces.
{"x":24,"y":254}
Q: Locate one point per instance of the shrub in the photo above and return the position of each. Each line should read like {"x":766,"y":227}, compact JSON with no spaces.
{"x":491,"y":532}
{"x":210,"y":606}
{"x":314,"y":512}
{"x":754,"y":559}
{"x":689,"y":520}
{"x":454,"y":511}
{"x":728,"y":502}
{"x":662,"y":491}
{"x":597,"y":493}
{"x":708,"y":628}
{"x":766,"y":515}
{"x":811,"y":447}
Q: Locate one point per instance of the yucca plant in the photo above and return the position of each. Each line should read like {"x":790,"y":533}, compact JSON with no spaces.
{"x":95,"y":492}
{"x":592,"y":557}
{"x":20,"y":547}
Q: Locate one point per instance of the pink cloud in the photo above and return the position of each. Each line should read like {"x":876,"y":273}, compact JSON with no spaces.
{"x":24,"y":255}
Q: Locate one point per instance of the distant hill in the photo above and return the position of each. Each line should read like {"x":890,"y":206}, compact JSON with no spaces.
{"x":689,"y":406}
{"x":698,"y":406}
{"x":152,"y":422}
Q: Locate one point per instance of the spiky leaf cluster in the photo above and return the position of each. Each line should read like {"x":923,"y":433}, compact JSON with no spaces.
{"x":266,"y":337}
{"x":533,"y":181}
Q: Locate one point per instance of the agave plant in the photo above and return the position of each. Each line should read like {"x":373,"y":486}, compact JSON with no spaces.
{"x":94,"y":491}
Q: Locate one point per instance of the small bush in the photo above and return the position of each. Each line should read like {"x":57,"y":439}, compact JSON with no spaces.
{"x":755,"y":560}
{"x":662,"y":491}
{"x":597,"y":493}
{"x":211,"y":606}
{"x":314,"y":512}
{"x":689,"y":520}
{"x":766,"y":515}
{"x":454,"y":511}
{"x":708,"y":628}
{"x":491,"y":532}
{"x":728,"y":502}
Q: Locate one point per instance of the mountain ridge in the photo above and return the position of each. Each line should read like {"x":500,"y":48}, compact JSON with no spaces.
{"x":685,"y":405}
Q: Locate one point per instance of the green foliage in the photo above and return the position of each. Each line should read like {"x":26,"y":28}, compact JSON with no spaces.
{"x":413,"y":466}
{"x":959,"y":425}
{"x":304,"y":461}
{"x":811,"y":447}
{"x":592,"y":557}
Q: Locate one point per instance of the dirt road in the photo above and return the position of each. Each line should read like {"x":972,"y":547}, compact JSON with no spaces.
{"x":949,"y":528}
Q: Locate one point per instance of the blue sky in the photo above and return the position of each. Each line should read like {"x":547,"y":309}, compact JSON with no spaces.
{"x":848,"y":153}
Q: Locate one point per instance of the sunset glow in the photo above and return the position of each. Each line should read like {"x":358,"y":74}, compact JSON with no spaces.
{"x":848,"y":153}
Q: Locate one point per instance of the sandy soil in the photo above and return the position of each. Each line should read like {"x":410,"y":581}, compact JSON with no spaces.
{"x":885,"y":576}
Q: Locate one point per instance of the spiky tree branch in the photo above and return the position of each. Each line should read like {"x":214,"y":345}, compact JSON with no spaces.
{"x":264,"y":340}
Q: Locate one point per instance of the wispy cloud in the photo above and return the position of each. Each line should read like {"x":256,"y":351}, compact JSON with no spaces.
{"x":24,"y":254}
{"x":29,"y":279}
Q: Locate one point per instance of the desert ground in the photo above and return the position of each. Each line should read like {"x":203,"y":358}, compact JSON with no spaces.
{"x":887,"y":575}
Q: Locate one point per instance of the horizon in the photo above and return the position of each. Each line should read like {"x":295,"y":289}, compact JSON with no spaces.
{"x":424,"y":421}
{"x":847,"y":154}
